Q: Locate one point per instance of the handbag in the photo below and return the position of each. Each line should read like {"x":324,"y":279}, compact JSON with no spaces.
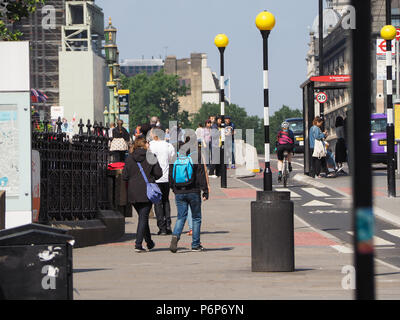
{"x":319,"y":149}
{"x":153,"y":191}
{"x":118,"y":144}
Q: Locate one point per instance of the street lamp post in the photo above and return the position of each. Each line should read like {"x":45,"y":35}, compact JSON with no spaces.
{"x":265,"y":22}
{"x":221,"y":41}
{"x":388,"y":33}
{"x":111,"y":51}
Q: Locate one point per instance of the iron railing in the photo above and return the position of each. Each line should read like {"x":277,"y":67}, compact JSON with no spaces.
{"x":73,"y":172}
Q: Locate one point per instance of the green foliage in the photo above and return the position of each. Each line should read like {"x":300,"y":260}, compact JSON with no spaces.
{"x":276,"y":120}
{"x":155,"y":95}
{"x":13,"y":11}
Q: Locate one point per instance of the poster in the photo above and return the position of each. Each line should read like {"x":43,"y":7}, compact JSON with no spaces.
{"x":9,"y":171}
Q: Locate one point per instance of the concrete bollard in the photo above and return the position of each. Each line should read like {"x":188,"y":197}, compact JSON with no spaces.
{"x":272,"y":232}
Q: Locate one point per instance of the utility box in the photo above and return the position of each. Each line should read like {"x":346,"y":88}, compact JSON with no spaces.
{"x":35,"y":263}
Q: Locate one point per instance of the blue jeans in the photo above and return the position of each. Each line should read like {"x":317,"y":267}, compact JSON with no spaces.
{"x":189,"y":219}
{"x":183,"y":202}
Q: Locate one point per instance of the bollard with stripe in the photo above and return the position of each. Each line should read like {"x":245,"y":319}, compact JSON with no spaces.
{"x":272,"y":229}
{"x":388,"y":33}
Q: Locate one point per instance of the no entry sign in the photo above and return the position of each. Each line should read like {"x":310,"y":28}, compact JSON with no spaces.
{"x":322,"y":97}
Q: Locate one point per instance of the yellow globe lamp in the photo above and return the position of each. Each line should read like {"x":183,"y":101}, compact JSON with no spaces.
{"x":388,"y":32}
{"x":265,"y":21}
{"x":221,"y":40}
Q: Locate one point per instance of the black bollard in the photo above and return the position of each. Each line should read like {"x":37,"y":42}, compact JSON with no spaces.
{"x":272,"y":232}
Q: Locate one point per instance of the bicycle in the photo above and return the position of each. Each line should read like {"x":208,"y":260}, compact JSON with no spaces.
{"x":285,"y":172}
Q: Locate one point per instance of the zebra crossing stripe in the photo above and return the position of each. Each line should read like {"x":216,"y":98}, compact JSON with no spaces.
{"x":377,"y":240}
{"x":315,"y":192}
{"x":292,"y":193}
{"x":393,"y":232}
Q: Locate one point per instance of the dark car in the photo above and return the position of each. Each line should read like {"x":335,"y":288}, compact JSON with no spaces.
{"x":296,"y":125}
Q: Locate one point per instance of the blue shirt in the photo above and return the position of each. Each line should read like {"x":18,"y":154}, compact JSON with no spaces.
{"x":315,"y":133}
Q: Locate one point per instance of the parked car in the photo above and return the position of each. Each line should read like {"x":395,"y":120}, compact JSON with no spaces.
{"x":378,"y":138}
{"x":296,"y":125}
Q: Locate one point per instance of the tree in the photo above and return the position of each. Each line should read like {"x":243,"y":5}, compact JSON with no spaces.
{"x":13,"y":11}
{"x":155,"y":95}
{"x":279,"y":116}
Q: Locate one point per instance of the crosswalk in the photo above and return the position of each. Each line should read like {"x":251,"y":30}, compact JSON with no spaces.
{"x":316,"y":202}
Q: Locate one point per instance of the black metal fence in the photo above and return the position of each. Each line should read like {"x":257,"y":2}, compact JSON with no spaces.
{"x":73,"y":172}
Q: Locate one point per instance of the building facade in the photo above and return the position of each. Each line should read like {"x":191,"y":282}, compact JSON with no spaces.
{"x":43,"y":30}
{"x":83,"y":69}
{"x":132,"y":67}
{"x":194,"y":73}
{"x":337,"y":56}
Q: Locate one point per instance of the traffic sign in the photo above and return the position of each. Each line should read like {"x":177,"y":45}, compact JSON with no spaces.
{"x":381,"y":48}
{"x":397,"y":34}
{"x":322,"y":97}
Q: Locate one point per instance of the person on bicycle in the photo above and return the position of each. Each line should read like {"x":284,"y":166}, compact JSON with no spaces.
{"x":284,"y":142}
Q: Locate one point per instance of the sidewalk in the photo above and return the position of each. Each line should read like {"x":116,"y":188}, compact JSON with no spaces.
{"x":223,"y":271}
{"x":384,"y":207}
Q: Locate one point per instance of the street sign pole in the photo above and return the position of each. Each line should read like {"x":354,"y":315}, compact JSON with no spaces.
{"x":360,"y":148}
{"x":391,"y":161}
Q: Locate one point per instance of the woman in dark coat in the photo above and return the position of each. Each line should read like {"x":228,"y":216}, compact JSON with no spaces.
{"x":120,"y":132}
{"x":137,"y":195}
{"x":340,"y":147}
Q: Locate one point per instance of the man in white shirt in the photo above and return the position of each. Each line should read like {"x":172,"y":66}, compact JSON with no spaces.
{"x":164,"y":152}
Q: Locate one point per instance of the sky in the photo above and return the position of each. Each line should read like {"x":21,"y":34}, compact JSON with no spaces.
{"x":154,"y":28}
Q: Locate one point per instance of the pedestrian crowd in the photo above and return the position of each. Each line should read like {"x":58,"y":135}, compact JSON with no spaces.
{"x":159,"y":161}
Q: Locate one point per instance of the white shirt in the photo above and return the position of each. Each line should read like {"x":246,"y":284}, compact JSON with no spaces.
{"x":164,"y":152}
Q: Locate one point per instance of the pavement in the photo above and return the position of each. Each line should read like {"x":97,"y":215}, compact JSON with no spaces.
{"x":323,"y":266}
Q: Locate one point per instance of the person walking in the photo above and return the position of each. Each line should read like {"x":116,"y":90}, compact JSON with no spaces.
{"x":230,"y":141}
{"x":315,"y":133}
{"x":340,"y":147}
{"x":119,"y":142}
{"x":137,"y":194}
{"x":188,"y":194}
{"x":214,"y":170}
{"x":164,"y":152}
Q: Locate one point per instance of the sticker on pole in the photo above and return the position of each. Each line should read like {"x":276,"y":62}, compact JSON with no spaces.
{"x":322,"y":97}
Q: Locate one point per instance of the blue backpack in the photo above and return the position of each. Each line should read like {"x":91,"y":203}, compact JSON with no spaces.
{"x":182,"y":172}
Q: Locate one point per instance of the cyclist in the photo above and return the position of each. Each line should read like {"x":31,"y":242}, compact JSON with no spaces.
{"x":284,"y":142}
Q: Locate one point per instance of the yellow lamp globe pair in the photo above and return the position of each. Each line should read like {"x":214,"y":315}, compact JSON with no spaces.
{"x":265,"y":21}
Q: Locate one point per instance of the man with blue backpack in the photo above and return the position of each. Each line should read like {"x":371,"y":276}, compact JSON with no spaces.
{"x":187,"y":180}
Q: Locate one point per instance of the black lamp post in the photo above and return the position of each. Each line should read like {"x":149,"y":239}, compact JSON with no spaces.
{"x":221,"y":41}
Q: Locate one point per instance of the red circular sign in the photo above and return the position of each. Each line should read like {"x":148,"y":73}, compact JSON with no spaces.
{"x":322,"y":97}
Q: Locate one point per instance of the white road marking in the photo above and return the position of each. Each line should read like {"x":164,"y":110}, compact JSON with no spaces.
{"x":328,"y":211}
{"x":342,"y":249}
{"x":316,"y":203}
{"x":393,"y":232}
{"x":377,"y":241}
{"x":315,"y":192}
{"x":292,"y":194}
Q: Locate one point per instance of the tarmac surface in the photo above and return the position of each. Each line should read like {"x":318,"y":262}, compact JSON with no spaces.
{"x":223,"y":271}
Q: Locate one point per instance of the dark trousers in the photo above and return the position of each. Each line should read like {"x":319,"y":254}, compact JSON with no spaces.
{"x":118,"y":156}
{"x":163,"y":209}
{"x":143,"y":229}
{"x":317,"y":165}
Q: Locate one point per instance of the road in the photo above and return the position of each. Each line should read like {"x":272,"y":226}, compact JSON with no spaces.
{"x":330,"y":212}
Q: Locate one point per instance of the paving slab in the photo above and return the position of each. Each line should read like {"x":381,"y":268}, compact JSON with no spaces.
{"x":114,"y":271}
